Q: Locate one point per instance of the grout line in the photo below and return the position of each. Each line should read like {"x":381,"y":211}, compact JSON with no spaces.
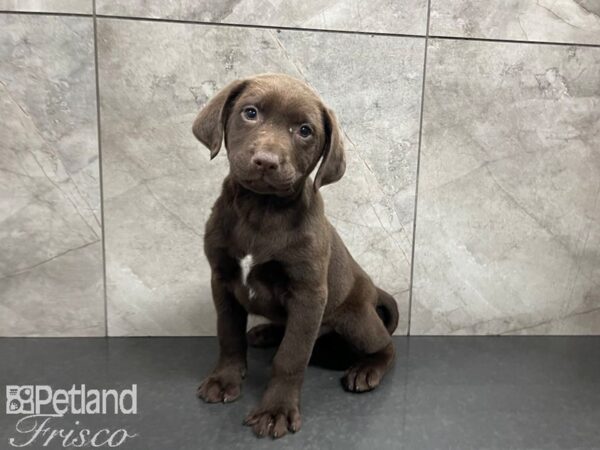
{"x":45,"y":13}
{"x":512,"y":41}
{"x":414,"y":235}
{"x":257,"y":26}
{"x":100,"y":172}
{"x":288,"y":28}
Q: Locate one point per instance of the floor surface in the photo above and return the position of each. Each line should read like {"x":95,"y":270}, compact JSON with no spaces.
{"x":444,"y":393}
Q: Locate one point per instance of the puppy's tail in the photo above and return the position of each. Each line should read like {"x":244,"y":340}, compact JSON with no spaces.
{"x":387,"y":309}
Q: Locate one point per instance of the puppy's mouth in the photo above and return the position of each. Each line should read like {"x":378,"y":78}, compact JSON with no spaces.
{"x":267,"y":187}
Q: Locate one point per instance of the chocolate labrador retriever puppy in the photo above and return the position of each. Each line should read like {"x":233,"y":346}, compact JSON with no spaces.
{"x":273,"y":252}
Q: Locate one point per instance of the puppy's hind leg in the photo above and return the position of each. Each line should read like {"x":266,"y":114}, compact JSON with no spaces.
{"x":265,"y":335}
{"x":359,"y":324}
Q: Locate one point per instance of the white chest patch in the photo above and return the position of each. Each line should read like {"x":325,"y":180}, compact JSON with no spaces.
{"x":246,"y":264}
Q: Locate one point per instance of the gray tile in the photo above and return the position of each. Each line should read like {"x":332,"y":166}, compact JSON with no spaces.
{"x":50,"y":233}
{"x":159,"y":185}
{"x":167,"y":372}
{"x":571,"y":21}
{"x":508,"y":227}
{"x":443,"y":393}
{"x":383,"y":16}
{"x":476,"y":393}
{"x":53,"y":6}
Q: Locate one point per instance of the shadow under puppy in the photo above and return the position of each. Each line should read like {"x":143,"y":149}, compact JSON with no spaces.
{"x":273,"y":252}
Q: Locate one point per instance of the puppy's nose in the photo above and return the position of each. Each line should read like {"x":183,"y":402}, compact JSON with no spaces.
{"x":265,"y":161}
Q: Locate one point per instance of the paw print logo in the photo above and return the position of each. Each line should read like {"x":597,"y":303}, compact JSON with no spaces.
{"x":19,"y":399}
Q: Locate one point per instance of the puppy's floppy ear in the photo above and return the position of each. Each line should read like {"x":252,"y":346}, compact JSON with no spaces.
{"x":209,"y":125}
{"x":333,"y":165}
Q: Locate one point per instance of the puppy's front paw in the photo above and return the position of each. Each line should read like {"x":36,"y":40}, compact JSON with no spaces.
{"x":274,"y":420}
{"x":222,"y":386}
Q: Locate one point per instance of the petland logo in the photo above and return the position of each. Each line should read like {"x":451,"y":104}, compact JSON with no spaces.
{"x":42,"y":406}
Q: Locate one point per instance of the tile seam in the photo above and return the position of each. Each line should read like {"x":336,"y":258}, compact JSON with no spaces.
{"x":414,"y":234}
{"x":313,"y":30}
{"x":100,"y":171}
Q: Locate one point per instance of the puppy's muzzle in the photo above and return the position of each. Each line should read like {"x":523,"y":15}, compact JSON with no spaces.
{"x":265,"y":162}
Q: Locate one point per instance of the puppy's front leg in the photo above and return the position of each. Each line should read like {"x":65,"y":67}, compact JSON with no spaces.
{"x":279,"y":410}
{"x":224,"y":383}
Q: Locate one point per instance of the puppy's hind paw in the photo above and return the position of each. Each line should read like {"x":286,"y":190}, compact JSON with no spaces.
{"x":362,"y":378}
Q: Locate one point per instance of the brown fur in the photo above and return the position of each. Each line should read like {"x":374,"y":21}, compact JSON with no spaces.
{"x":303,"y":278}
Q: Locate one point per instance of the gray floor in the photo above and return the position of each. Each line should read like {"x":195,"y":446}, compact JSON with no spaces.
{"x":446,"y":393}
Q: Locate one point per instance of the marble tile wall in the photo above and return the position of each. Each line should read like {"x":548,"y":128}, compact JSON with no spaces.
{"x":508,"y":230}
{"x":383,"y":16}
{"x":50,"y":226}
{"x":159,"y":185}
{"x":570,"y":21}
{"x":508,"y":157}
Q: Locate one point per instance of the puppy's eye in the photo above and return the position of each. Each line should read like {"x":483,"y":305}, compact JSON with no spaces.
{"x":250,"y":113}
{"x":305,"y":131}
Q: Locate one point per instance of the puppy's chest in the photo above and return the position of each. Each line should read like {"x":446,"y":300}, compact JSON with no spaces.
{"x":246,"y":264}
{"x":261,"y":286}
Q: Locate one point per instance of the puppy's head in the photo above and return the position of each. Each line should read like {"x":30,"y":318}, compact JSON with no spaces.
{"x":276,"y":129}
